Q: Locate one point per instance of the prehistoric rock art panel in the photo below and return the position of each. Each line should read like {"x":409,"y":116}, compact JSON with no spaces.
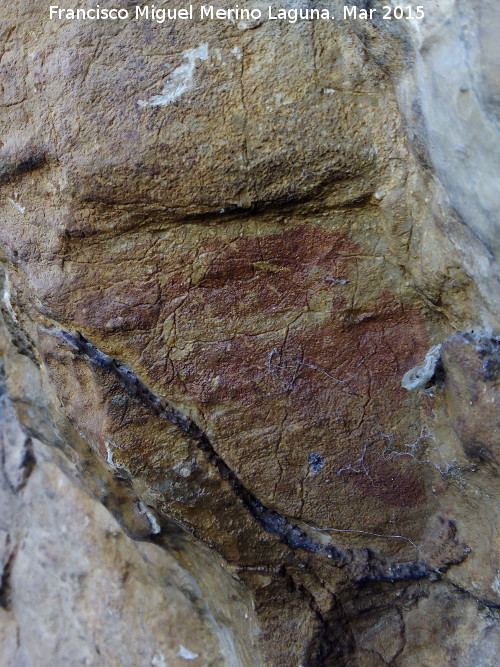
{"x":247,"y":308}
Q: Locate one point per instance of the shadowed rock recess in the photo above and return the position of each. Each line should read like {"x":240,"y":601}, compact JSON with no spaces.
{"x":250,"y":287}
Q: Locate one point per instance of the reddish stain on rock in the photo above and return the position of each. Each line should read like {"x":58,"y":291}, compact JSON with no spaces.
{"x":336,"y":375}
{"x":255,"y":345}
{"x":270,"y":274}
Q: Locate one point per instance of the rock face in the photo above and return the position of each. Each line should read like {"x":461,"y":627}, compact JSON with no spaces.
{"x":74,"y":587}
{"x":223,"y":245}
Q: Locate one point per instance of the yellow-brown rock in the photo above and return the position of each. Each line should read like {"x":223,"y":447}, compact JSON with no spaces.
{"x":223,"y":245}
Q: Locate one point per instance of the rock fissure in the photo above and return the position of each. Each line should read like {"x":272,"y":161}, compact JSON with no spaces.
{"x":364,"y":564}
{"x":5,"y":581}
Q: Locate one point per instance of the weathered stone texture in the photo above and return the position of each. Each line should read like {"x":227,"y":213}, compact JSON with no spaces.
{"x":75,"y":590}
{"x":222,"y":247}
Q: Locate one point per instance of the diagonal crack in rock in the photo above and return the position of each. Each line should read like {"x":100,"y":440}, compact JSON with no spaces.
{"x":363,"y":564}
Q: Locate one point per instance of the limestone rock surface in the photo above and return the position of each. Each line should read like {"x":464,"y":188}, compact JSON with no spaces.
{"x":76,"y":590}
{"x":222,"y":246}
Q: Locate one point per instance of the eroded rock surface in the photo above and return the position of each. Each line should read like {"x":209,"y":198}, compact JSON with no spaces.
{"x":76,"y":590}
{"x":223,"y":245}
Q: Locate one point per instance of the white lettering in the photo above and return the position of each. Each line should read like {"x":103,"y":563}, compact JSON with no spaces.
{"x":207,"y":11}
{"x":293,"y":15}
{"x":355,"y":13}
{"x":141,"y":12}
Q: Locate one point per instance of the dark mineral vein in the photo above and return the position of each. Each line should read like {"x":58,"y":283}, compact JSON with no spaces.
{"x":364,"y":563}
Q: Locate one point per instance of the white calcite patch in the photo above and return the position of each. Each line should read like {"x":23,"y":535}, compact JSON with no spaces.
{"x":158,"y":660}
{"x":17,"y":205}
{"x":6,"y":298}
{"x":180,"y":80}
{"x":185,"y":653}
{"x":155,"y":526}
{"x":108,"y":444}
